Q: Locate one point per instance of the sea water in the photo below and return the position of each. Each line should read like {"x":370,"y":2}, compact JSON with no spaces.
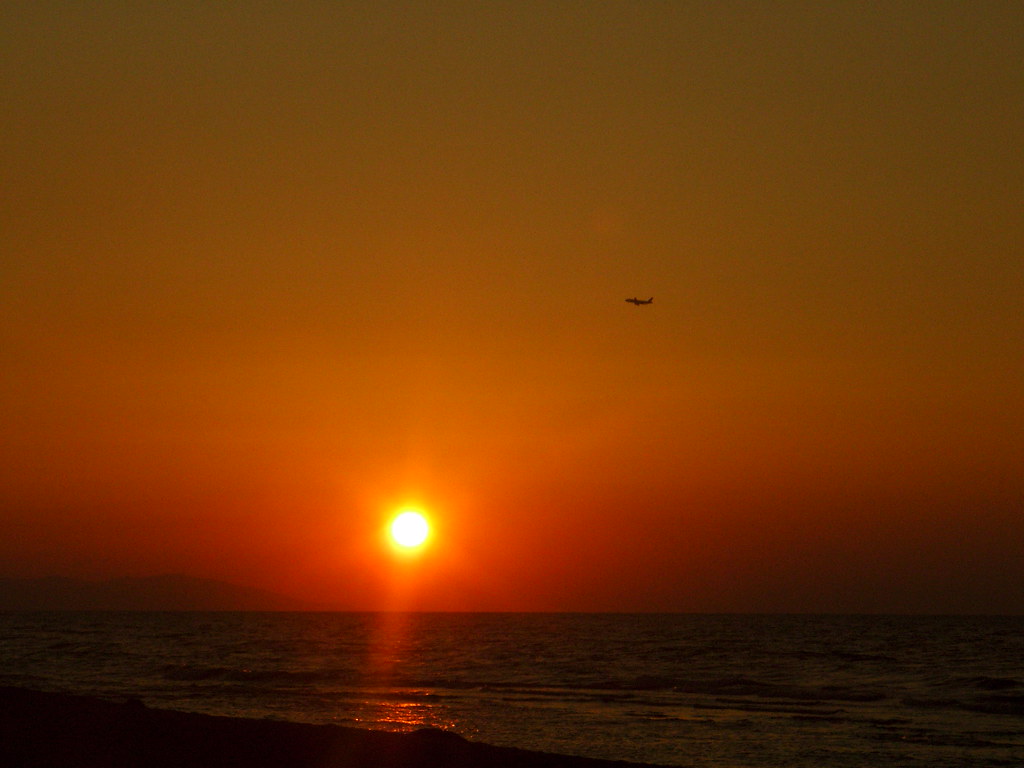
{"x":688,"y":690}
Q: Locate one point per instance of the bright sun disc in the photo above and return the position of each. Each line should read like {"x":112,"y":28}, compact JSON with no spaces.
{"x":409,"y":529}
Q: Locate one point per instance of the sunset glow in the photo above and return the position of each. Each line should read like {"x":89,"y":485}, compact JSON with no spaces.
{"x":276,"y":272}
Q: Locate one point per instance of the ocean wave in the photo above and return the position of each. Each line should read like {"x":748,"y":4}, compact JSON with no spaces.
{"x":857,"y":656}
{"x":741,"y":686}
{"x":188,"y":673}
{"x":989,"y":705}
{"x":985,"y":683}
{"x":998,"y":705}
{"x":608,"y":690}
{"x":934,"y":738}
{"x":764,"y":707}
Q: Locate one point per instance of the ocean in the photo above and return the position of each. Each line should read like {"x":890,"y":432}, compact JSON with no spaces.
{"x":715,"y":691}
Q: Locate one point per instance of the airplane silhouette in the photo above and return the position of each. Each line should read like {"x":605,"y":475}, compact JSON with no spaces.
{"x":638,"y":302}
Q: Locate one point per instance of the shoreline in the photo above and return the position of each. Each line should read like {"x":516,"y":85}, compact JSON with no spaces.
{"x":59,"y":730}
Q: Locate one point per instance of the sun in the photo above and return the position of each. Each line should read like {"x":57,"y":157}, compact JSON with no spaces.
{"x":410,"y":529}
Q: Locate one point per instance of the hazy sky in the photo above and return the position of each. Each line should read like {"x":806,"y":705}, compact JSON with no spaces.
{"x":272,"y":270}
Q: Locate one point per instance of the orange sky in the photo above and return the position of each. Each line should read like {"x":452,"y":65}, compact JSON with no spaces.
{"x":272,"y":271}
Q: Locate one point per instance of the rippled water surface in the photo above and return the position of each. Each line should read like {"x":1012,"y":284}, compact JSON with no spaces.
{"x":677,"y":689}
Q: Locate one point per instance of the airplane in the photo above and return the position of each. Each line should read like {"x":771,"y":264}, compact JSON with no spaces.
{"x":638,"y":302}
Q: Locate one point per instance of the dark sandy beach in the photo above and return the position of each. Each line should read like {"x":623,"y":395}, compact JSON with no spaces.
{"x":54,"y":730}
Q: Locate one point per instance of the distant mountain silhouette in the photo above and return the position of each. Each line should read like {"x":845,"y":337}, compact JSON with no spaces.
{"x":169,"y":592}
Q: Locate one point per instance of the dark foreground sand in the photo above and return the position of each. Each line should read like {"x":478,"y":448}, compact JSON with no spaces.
{"x":55,"y":730}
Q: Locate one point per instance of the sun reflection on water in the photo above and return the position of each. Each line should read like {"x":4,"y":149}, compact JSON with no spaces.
{"x":394,"y":661}
{"x":402,"y":710}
